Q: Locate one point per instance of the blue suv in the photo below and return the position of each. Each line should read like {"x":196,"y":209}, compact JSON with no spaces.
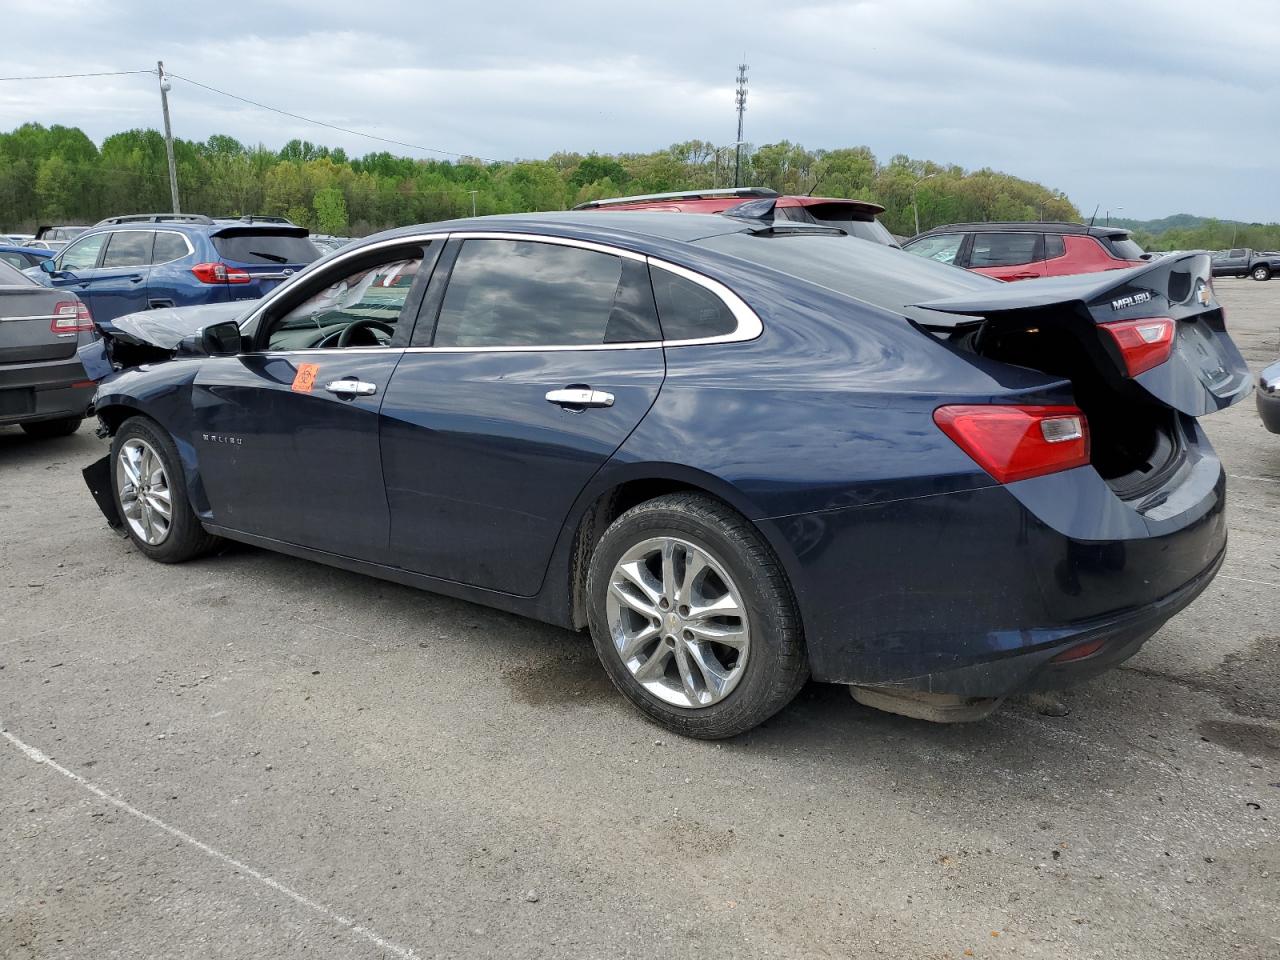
{"x":126,"y":264}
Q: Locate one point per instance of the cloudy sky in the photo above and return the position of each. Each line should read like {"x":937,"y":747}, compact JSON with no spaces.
{"x":1142,"y":107}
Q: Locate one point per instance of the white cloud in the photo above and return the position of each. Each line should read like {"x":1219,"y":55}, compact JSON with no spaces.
{"x":1154,"y":107}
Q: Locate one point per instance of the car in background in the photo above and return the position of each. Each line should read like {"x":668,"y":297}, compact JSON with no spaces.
{"x":329,"y":243}
{"x":43,"y":386}
{"x":739,"y":455}
{"x":22,"y":257}
{"x":855,"y":217}
{"x":1024,"y":251}
{"x":145,"y":261}
{"x":1243,"y":262}
{"x":55,"y":234}
{"x":17,"y":239}
{"x":1268,"y":395}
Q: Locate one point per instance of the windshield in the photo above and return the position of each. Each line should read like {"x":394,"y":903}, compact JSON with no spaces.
{"x":872,"y":273}
{"x":265,"y":248}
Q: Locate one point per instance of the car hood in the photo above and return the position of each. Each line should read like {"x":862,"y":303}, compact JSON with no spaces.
{"x":166,"y":327}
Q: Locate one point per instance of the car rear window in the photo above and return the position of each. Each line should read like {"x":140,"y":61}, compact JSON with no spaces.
{"x":872,"y":273}
{"x":1126,"y":248}
{"x":10,"y":277}
{"x":265,"y":247}
{"x":839,"y":216}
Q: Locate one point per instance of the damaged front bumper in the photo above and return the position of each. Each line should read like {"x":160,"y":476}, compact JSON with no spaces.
{"x":97,"y":477}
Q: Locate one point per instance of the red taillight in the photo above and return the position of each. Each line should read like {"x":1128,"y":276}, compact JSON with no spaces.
{"x":70,"y":316}
{"x":1015,"y":442}
{"x":1080,"y":651}
{"x":219,"y":273}
{"x":1143,"y":343}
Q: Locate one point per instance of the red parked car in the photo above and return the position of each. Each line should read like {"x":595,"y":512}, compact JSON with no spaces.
{"x":1023,"y":251}
{"x":856,"y":217}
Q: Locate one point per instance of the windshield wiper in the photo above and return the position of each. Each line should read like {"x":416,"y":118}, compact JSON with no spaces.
{"x":273,"y":257}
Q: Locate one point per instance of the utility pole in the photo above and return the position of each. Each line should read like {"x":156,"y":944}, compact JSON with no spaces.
{"x":742,"y":108}
{"x":168,"y":135}
{"x":915,"y":207}
{"x":473,"y":201}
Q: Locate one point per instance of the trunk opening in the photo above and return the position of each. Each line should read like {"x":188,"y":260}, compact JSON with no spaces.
{"x":1136,"y":442}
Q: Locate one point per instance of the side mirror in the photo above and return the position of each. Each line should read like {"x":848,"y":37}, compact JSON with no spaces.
{"x":221,"y":339}
{"x":48,"y":266}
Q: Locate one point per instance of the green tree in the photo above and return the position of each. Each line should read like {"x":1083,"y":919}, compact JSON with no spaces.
{"x":331,"y":211}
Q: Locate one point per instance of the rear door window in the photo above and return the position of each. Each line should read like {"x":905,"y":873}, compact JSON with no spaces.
{"x":265,"y":248}
{"x":1005,"y":249}
{"x":1126,"y":248}
{"x":128,"y":248}
{"x":1054,"y":246}
{"x":521,"y":293}
{"x":943,"y":247}
{"x":83,"y":254}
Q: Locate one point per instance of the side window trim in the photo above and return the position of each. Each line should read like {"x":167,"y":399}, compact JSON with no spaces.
{"x":749,"y":326}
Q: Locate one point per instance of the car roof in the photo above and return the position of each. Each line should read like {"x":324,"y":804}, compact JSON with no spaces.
{"x":604,"y":226}
{"x":22,"y":248}
{"x":1028,"y":226}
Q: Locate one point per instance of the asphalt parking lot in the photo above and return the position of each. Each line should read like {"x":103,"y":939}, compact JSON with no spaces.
{"x":254,"y":756}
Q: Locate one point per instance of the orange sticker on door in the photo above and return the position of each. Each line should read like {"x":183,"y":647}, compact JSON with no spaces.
{"x":305,"y":377}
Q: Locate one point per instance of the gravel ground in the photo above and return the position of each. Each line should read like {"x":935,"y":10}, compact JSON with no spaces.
{"x":254,"y":756}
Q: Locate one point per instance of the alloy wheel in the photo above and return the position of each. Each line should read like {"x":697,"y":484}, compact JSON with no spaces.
{"x":145,"y":499}
{"x":678,"y":622}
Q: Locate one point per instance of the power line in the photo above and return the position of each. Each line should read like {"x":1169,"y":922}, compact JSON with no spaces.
{"x":322,"y":123}
{"x":71,"y":76}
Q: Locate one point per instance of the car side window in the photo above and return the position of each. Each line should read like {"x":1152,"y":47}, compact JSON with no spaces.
{"x":128,"y":248}
{"x":523,"y":293}
{"x":1054,"y":246}
{"x":1004,"y":249}
{"x":83,"y":254}
{"x":360,"y":309}
{"x":943,"y":247}
{"x":1237,"y":254}
{"x":168,"y":247}
{"x":14,"y":259}
{"x":687,"y":310}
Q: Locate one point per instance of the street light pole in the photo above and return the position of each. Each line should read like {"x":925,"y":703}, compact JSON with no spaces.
{"x":168,"y":135}
{"x":915,"y":207}
{"x":473,"y":201}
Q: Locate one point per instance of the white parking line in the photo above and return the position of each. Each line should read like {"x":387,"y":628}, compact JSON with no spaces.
{"x":1261,"y":583}
{"x":1236,"y":476}
{"x":365,"y":933}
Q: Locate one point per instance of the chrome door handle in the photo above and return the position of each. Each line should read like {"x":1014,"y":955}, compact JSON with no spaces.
{"x":351,"y":388}
{"x":580,"y":397}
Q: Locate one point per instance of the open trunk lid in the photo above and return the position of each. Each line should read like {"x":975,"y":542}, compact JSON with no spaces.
{"x":1203,"y":372}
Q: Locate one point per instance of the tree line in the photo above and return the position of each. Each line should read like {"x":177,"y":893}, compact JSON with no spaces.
{"x":58,"y":175}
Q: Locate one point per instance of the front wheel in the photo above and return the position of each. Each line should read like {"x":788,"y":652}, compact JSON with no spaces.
{"x":151,"y":494}
{"x":1261,"y":272}
{"x":693,"y":618}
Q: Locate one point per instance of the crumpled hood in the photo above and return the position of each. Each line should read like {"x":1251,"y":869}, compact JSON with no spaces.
{"x":167,"y":326}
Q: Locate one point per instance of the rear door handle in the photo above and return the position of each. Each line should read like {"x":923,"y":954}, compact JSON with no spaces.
{"x":580,"y":397}
{"x":351,"y":388}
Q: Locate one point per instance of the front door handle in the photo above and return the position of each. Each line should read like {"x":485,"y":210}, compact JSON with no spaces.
{"x":580,"y":397}
{"x":351,"y":388}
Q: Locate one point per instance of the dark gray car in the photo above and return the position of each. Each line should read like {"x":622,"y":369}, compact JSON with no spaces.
{"x":43,"y":386}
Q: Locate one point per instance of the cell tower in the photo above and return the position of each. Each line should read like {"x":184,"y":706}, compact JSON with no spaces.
{"x":742,"y":108}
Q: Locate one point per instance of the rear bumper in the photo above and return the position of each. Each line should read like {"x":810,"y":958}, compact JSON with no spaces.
{"x":1268,"y":394}
{"x":975,"y":592}
{"x":1116,"y":638}
{"x":44,"y":391}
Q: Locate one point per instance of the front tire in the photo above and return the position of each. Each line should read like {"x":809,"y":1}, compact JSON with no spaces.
{"x":151,"y":494}
{"x":48,"y":429}
{"x":1261,"y":272}
{"x":693,"y":618}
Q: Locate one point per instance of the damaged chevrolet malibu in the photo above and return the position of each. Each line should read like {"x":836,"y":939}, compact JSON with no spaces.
{"x":741,"y":453}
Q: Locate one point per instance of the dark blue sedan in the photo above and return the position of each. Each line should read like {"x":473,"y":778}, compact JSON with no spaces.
{"x":742,"y":453}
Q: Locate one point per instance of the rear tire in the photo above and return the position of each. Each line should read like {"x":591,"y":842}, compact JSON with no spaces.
{"x":1261,"y":272}
{"x":48,"y":429}
{"x":693,"y":618}
{"x":147,"y":482}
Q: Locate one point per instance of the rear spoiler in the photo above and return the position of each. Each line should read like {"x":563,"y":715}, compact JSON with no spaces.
{"x":1175,"y":286}
{"x":260,"y":229}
